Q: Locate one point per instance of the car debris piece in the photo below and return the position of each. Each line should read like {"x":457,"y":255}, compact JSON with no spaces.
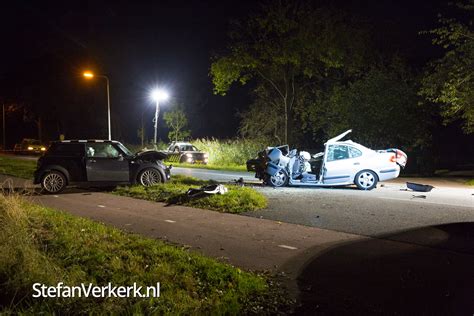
{"x":208,"y":189}
{"x":419,"y":187}
{"x":418,"y":196}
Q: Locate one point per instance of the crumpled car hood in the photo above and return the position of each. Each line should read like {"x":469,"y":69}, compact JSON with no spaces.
{"x":151,"y":155}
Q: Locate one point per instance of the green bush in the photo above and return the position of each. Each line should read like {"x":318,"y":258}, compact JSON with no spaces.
{"x":230,"y":151}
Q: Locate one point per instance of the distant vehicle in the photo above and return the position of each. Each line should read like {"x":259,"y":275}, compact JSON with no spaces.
{"x":29,"y":146}
{"x":183,"y":152}
{"x":97,"y":163}
{"x":342,"y":163}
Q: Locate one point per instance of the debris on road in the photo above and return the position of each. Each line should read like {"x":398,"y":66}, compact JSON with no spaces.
{"x":418,"y":196}
{"x":208,"y":189}
{"x":419,"y":187}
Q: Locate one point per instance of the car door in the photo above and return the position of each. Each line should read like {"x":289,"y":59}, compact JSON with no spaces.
{"x":104,"y":163}
{"x":338,"y":166}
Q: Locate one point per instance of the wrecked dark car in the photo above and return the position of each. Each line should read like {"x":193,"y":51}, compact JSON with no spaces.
{"x":96,"y":163}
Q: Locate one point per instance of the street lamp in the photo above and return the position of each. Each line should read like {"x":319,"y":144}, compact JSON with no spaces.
{"x":158,"y":95}
{"x":90,"y":75}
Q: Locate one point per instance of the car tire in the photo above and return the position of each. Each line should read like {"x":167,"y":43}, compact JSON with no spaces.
{"x":53,"y":182}
{"x":149,"y":177}
{"x":366,"y":180}
{"x":279,"y":179}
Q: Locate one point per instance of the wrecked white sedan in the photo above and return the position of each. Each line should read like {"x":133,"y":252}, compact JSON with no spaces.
{"x":342,"y":163}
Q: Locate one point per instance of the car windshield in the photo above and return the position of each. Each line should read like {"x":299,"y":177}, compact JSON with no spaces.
{"x":188,"y":148}
{"x":125,"y":150}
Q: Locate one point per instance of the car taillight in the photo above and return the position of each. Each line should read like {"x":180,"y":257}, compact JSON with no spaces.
{"x":393,"y":158}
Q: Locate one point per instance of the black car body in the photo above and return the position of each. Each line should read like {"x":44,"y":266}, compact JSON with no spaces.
{"x":97,"y":163}
{"x":186,"y":153}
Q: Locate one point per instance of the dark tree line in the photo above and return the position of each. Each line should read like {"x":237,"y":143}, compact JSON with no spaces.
{"x":316,"y":72}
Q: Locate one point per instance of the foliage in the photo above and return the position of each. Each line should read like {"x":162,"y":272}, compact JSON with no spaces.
{"x":233,"y":152}
{"x":43,"y":245}
{"x":17,"y":167}
{"x":381,"y":107}
{"x":283,"y":48}
{"x":176,"y":120}
{"x":236,"y":200}
{"x":449,"y":81}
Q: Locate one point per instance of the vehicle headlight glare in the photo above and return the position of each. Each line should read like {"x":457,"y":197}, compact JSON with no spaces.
{"x":189,"y":155}
{"x":43,"y":149}
{"x":30,"y":148}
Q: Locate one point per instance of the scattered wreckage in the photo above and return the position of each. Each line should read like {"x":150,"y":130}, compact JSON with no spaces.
{"x":342,"y":163}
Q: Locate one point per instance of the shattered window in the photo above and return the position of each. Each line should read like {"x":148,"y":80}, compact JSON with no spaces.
{"x":354,"y":152}
{"x":337,"y":152}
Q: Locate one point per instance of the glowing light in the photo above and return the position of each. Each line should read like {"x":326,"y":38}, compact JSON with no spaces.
{"x":88,"y":74}
{"x":159,"y":95}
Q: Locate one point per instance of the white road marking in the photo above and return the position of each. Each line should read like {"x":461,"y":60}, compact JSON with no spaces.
{"x":169,"y":221}
{"x":287,"y":247}
{"x":423,"y":201}
{"x":101,"y":205}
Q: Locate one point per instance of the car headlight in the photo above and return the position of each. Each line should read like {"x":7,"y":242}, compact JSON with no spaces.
{"x":189,"y":155}
{"x":206,"y":155}
{"x":43,"y":148}
{"x":30,"y":148}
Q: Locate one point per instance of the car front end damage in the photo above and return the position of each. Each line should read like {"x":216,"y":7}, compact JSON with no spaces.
{"x":342,"y":163}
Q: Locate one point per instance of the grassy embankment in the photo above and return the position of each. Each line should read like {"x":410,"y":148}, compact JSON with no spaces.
{"x":470,"y":182}
{"x":236,"y":200}
{"x":17,"y":167}
{"x":41,"y":245}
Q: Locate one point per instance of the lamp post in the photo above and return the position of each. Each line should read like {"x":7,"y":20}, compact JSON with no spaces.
{"x":158,"y":95}
{"x":90,"y":75}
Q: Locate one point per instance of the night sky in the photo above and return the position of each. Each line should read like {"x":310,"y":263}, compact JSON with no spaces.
{"x":143,"y":44}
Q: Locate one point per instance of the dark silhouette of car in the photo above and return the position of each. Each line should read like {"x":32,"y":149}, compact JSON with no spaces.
{"x":183,"y":152}
{"x":29,"y":146}
{"x":96,"y":163}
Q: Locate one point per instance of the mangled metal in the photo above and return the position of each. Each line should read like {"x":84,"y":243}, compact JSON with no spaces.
{"x":341,"y":163}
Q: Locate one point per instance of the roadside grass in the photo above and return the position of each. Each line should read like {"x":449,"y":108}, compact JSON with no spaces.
{"x":470,"y":182}
{"x":17,"y":167}
{"x":228,"y":167}
{"x":42,"y":245}
{"x":236,"y":200}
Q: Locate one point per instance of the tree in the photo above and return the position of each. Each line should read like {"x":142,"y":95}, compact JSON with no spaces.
{"x":449,"y":81}
{"x":176,"y":120}
{"x":284,"y":49}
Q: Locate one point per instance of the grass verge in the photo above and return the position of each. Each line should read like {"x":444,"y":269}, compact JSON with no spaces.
{"x":237,"y":200}
{"x":21,"y":168}
{"x":470,"y":182}
{"x":227,"y":167}
{"x":41,"y":245}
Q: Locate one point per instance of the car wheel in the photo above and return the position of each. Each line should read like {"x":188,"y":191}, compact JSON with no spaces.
{"x":366,"y":180}
{"x":279,"y":179}
{"x":53,"y":182}
{"x":149,"y":177}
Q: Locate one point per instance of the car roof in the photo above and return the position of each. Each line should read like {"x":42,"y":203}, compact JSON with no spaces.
{"x":180,"y":143}
{"x":87,"y":141}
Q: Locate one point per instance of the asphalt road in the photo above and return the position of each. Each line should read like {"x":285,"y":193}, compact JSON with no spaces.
{"x":389,"y":209}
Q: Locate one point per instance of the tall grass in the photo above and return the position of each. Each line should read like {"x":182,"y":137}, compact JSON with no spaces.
{"x":41,"y":245}
{"x":230,"y":151}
